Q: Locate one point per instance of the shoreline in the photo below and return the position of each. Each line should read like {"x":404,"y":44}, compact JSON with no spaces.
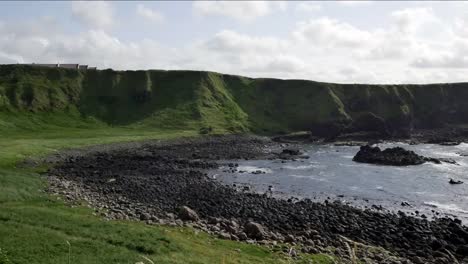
{"x":132,"y":182}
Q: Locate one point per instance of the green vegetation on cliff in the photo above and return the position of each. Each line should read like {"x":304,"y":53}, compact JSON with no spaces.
{"x":195,"y":100}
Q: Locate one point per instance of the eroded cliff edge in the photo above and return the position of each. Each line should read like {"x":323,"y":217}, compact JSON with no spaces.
{"x":195,"y":99}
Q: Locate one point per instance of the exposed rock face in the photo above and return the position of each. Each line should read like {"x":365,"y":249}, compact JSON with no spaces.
{"x":259,"y":105}
{"x":370,"y":122}
{"x":392,"y":156}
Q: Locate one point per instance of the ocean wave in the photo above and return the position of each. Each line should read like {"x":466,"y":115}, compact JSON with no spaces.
{"x":308,"y":177}
{"x":447,"y":167}
{"x":462,"y":146}
{"x":302,"y":167}
{"x":446,"y":154}
{"x":448,"y":207}
{"x":253,"y":168}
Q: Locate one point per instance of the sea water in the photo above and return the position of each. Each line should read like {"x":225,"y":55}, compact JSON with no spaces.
{"x":330,"y":173}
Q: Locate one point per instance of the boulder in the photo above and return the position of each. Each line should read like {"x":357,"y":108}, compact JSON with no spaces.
{"x":289,"y":238}
{"x":392,"y":156}
{"x":452,"y":181}
{"x":187,"y":214}
{"x":254,"y":230}
{"x":292,"y":152}
{"x":242,"y":236}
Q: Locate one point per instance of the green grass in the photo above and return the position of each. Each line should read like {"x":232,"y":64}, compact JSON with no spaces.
{"x":36,"y":228}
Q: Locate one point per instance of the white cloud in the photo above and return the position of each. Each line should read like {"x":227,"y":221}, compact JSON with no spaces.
{"x":10,"y":58}
{"x":332,"y":33}
{"x":461,"y":26}
{"x":149,"y":14}
{"x":354,"y":3}
{"x":322,"y":48}
{"x":411,"y":19}
{"x":282,"y":64}
{"x":95,"y":14}
{"x":308,"y":7}
{"x":441,"y":60}
{"x":233,"y":42}
{"x":245,"y":11}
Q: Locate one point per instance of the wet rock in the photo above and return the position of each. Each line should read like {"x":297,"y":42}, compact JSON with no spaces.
{"x":292,"y":152}
{"x":448,"y":160}
{"x":391,"y":156}
{"x":452,"y":181}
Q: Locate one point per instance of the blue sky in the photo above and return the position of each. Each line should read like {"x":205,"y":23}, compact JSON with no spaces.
{"x":345,"y":41}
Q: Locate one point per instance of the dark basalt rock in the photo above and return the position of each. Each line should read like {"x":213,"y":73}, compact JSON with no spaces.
{"x":161,"y":178}
{"x":291,"y":152}
{"x":452,"y":181}
{"x":295,"y":137}
{"x":254,"y":230}
{"x":370,"y":122}
{"x":185,"y":213}
{"x":396,"y":156}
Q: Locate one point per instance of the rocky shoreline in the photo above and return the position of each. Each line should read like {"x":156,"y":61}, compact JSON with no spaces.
{"x":443,"y":136}
{"x":167,"y":183}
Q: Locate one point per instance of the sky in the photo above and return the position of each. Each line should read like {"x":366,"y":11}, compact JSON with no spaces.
{"x":331,"y":41}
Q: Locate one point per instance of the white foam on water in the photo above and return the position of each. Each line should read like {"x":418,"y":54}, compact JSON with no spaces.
{"x":446,"y":167}
{"x":253,"y":168}
{"x":462,"y":146}
{"x":448,"y":207}
{"x":352,"y":165}
{"x":443,"y":153}
{"x":302,"y":167}
{"x":430,"y":194}
{"x":308,"y":177}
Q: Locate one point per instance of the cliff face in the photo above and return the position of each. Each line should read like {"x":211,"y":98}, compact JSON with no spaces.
{"x":191,"y":99}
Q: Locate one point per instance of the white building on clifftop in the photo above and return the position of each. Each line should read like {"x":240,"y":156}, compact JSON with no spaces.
{"x":63,"y":65}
